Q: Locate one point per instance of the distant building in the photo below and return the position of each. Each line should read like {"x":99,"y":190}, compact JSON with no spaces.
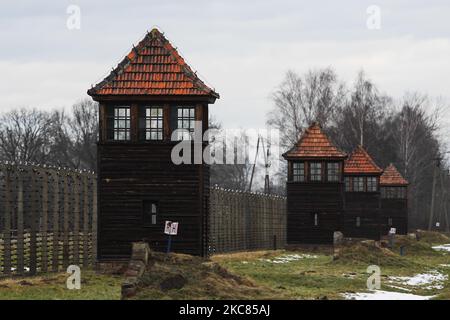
{"x":151,"y":93}
{"x":315,"y":188}
{"x":394,"y":201}
{"x":362,"y":196}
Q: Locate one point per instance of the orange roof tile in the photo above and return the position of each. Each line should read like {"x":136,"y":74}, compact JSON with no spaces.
{"x":314,"y":144}
{"x":391,"y":176}
{"x":153,"y":67}
{"x":360,"y":162}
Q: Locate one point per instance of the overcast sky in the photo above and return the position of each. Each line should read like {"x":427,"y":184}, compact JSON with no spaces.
{"x":241,"y":48}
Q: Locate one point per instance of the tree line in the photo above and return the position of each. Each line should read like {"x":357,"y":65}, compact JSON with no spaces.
{"x":404,"y":132}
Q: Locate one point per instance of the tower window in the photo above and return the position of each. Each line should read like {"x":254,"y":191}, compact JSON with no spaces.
{"x":298,"y":171}
{"x":358,"y":184}
{"x":316,"y":219}
{"x":316,"y":171}
{"x":151,"y":124}
{"x":372,"y":184}
{"x":186,"y":121}
{"x":150,"y":213}
{"x":119,"y":123}
{"x":358,"y":222}
{"x":333,"y":171}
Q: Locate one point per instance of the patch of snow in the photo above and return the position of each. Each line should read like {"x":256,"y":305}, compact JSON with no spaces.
{"x":433,"y":279}
{"x":244,"y":262}
{"x":445,"y":265}
{"x":349,"y":275}
{"x":400,"y":288}
{"x":289,"y":258}
{"x":384,"y":295}
{"x":443,"y":247}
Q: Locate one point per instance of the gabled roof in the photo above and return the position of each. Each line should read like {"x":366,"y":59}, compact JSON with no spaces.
{"x":360,"y":161}
{"x":153,"y":67}
{"x":391,"y":176}
{"x":314,"y":144}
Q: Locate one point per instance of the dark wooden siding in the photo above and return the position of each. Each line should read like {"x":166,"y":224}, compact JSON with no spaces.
{"x":397,"y":209}
{"x":366,"y":206}
{"x":130,"y":173}
{"x":306,"y":199}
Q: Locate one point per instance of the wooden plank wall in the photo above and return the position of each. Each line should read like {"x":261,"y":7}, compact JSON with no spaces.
{"x":47,"y":218}
{"x":245,"y":221}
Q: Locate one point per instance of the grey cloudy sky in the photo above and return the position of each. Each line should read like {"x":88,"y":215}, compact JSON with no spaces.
{"x":241,"y":48}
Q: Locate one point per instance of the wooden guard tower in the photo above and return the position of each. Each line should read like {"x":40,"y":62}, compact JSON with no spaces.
{"x":394,"y":201}
{"x":362,"y":196}
{"x":145,"y":98}
{"x":315,"y":200}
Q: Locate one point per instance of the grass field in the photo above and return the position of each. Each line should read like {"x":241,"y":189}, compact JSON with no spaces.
{"x":299,"y":274}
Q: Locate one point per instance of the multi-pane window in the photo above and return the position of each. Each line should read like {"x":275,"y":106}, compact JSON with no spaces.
{"x":348,"y":186}
{"x":185,"y":121}
{"x":150,"y":209}
{"x":119,"y":123}
{"x":298,"y":171}
{"x":358,"y":184}
{"x":372,"y":184}
{"x":393,"y":192}
{"x":315,"y":171}
{"x":154,"y":123}
{"x":333,"y":171}
{"x":358,"y":222}
{"x":316,"y":219}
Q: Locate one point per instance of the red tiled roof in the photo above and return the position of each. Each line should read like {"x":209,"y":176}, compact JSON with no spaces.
{"x":314,"y":144}
{"x":153,"y":67}
{"x":391,"y":176}
{"x":360,"y":162}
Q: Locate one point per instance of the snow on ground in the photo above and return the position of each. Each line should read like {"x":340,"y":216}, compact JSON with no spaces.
{"x":290,"y":257}
{"x":445,"y":265}
{"x":443,"y":247}
{"x":430,"y":280}
{"x":384,"y":295}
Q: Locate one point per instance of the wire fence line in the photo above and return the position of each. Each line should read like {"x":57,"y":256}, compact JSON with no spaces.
{"x":48,"y":218}
{"x":242,"y":221}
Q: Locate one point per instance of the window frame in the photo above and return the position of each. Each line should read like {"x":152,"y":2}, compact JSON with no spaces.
{"x":336,"y":171}
{"x":114,"y":118}
{"x":153,"y":221}
{"x":298,"y":174}
{"x":374,"y":183}
{"x":358,"y":181}
{"x":145,"y":123}
{"x":315,"y":170}
{"x":185,"y":133}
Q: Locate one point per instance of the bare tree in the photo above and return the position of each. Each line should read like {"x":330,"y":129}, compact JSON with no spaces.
{"x":299,"y":101}
{"x":24,"y":135}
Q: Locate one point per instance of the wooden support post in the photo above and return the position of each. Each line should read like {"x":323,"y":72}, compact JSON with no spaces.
{"x":33,"y":216}
{"x":76,"y":219}
{"x":85,"y":221}
{"x":44,"y":229}
{"x":55,"y":227}
{"x":66,"y":222}
{"x":94,"y":219}
{"x":7,"y":226}
{"x":433,"y":195}
{"x":20,"y":228}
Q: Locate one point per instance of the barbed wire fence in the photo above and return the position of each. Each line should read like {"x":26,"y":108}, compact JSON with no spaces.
{"x":48,"y":218}
{"x":241,"y":221}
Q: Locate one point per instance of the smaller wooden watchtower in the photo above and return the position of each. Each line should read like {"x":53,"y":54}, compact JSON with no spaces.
{"x":362,"y":196}
{"x":394,"y":201}
{"x":314,"y":188}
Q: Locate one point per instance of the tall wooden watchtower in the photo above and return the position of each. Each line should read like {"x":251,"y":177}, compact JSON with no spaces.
{"x":394,"y":201}
{"x":315,"y":199}
{"x":362,"y":196}
{"x":151,"y":93}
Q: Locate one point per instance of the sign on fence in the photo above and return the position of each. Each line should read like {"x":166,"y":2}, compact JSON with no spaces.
{"x":171,"y":228}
